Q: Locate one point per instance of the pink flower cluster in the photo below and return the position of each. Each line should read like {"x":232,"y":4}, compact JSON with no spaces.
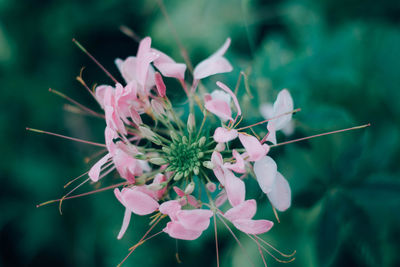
{"x":185,"y":160}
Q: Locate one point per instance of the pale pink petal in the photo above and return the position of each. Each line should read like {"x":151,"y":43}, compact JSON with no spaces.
{"x":158,"y":179}
{"x":110,"y":135}
{"x":193,"y":201}
{"x":217,"y":161}
{"x":170,"y":208}
{"x":229,"y":91}
{"x":179,"y":191}
{"x":125,"y":223}
{"x":211,"y":187}
{"x":283,"y":104}
{"x":271,"y":133}
{"x":127,"y":68}
{"x":136,"y":201}
{"x":168,"y":67}
{"x":219,"y":108}
{"x":161,"y":89}
{"x":214,"y":64}
{"x":245,"y":210}
{"x":266,"y":171}
{"x":222,"y":135}
{"x":197,"y":219}
{"x":100,"y":93}
{"x":94,"y":172}
{"x":280,"y":195}
{"x":235,"y":188}
{"x":221,"y":198}
{"x":135,"y":116}
{"x":178,"y":231}
{"x":238,"y":166}
{"x":254,"y":148}
{"x":253,"y":227}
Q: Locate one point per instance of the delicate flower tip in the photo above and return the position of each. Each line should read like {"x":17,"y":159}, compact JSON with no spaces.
{"x":211,"y":187}
{"x":191,"y":123}
{"x":223,"y":135}
{"x":220,"y":147}
{"x":161,"y":89}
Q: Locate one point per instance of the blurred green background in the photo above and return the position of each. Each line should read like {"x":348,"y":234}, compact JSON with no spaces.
{"x":339,"y":59}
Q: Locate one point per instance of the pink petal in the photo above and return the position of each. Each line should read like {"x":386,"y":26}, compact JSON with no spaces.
{"x":219,"y":108}
{"x":101,"y":92}
{"x":238,"y":166}
{"x":178,"y":231}
{"x":161,"y":89}
{"x":271,"y":133}
{"x":158,"y":179}
{"x":266,"y":172}
{"x":213,"y":64}
{"x":245,"y":210}
{"x":170,"y":208}
{"x":179,"y":191}
{"x":193,"y":201}
{"x":253,"y":147}
{"x":136,"y":201}
{"x":110,"y":135}
{"x":221,"y":198}
{"x":94,"y":172}
{"x":197,"y":219}
{"x":229,"y":91}
{"x":280,"y":195}
{"x":222,"y":135}
{"x":283,"y":104}
{"x":125,"y":223}
{"x":217,"y":161}
{"x":168,"y":67}
{"x":253,"y":227}
{"x":235,"y":188}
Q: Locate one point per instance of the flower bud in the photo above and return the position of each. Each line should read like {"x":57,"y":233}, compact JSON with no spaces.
{"x":189,"y":188}
{"x":150,"y":135}
{"x":158,"y":161}
{"x":211,"y":187}
{"x":208,"y":165}
{"x":155,"y":187}
{"x":178,"y":176}
{"x":191,"y":123}
{"x":220,"y":147}
{"x":202,"y":141}
{"x":157,"y":108}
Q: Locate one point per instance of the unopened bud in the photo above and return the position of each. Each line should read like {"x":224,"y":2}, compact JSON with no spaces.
{"x":211,"y":187}
{"x":158,"y":161}
{"x":185,"y":140}
{"x":178,"y":176}
{"x":191,"y":123}
{"x":166,"y":149}
{"x":208,"y":165}
{"x":158,"y":108}
{"x":150,"y":135}
{"x":140,"y":156}
{"x":174,"y":136}
{"x":220,"y":147}
{"x":202,"y":141}
{"x":155,"y":187}
{"x":196,"y":170}
{"x":189,"y":188}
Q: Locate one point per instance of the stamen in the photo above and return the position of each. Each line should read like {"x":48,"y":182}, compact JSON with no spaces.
{"x":261,"y":253}
{"x":81,"y":81}
{"x":70,"y":192}
{"x":73,"y":180}
{"x":66,"y":137}
{"x":269,"y":253}
{"x":83,"y":194}
{"x":234,"y":236}
{"x":322,"y":134}
{"x":275,"y":249}
{"x":216,"y":239}
{"x":94,"y":60}
{"x":276,"y":214}
{"x":88,"y":110}
{"x":273,"y":118}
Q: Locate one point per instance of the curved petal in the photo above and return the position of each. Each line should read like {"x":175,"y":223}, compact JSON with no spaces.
{"x":229,"y":91}
{"x":222,"y":135}
{"x":178,"y":231}
{"x":245,"y":210}
{"x":238,"y":166}
{"x":235,"y":188}
{"x":94,"y":172}
{"x":253,"y":227}
{"x":170,"y":208}
{"x":280,"y":195}
{"x":161,"y":89}
{"x":266,"y":172}
{"x":125,"y":223}
{"x":282,"y":104}
{"x":219,"y":108}
{"x":197,"y":219}
{"x":137,"y":201}
{"x":253,"y":147}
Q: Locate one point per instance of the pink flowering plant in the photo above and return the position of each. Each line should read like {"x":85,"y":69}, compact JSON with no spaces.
{"x":180,"y":168}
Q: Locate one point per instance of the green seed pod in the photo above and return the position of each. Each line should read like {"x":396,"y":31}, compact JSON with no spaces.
{"x":158,"y":161}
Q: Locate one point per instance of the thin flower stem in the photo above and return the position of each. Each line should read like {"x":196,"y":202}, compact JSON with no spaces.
{"x":130,"y":33}
{"x":216,"y":238}
{"x":94,"y":60}
{"x":261,"y":253}
{"x":202,"y":124}
{"x":73,"y":180}
{"x":66,"y":137}
{"x":88,"y":110}
{"x":273,"y":118}
{"x":322,"y":134}
{"x":83,"y":194}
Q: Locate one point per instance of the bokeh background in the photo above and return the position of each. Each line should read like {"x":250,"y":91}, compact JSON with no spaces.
{"x":340,"y":60}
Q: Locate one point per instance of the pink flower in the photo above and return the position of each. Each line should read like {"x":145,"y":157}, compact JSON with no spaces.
{"x":273,"y":183}
{"x":241,"y":217}
{"x":254,"y":148}
{"x":214,"y":64}
{"x":238,"y":166}
{"x":185,"y":224}
{"x":186,"y":198}
{"x":135,"y":201}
